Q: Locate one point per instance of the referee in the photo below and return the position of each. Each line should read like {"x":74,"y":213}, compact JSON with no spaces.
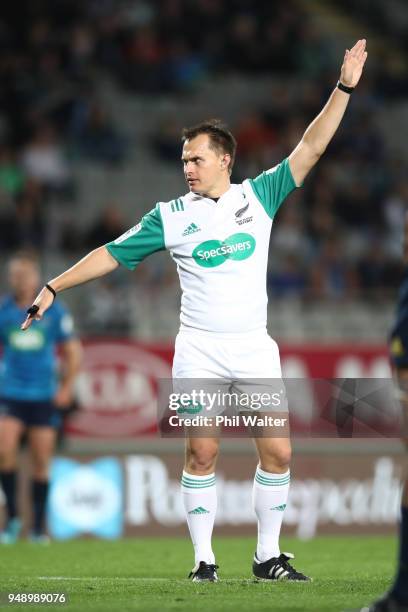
{"x":218,"y":235}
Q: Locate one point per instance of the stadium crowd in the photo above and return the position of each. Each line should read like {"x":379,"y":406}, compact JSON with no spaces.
{"x":339,"y":237}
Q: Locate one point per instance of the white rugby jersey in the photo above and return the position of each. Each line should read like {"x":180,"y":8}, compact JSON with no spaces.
{"x":220,"y":248}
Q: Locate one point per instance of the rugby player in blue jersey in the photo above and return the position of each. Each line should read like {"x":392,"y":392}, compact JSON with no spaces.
{"x":32,"y":391}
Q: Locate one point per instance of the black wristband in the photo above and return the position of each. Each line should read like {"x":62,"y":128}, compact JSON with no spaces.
{"x":348,"y":90}
{"x":54,"y":293}
{"x":32,"y":311}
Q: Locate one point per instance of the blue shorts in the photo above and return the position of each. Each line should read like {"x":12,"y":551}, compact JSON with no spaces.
{"x":32,"y":414}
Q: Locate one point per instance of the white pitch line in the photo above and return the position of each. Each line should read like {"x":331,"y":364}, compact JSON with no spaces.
{"x":126,"y":579}
{"x":136,"y":579}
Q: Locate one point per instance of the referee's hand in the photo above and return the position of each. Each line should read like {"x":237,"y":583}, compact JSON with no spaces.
{"x":41,"y":303}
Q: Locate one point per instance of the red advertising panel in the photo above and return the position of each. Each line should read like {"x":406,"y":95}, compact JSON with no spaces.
{"x":117,"y":387}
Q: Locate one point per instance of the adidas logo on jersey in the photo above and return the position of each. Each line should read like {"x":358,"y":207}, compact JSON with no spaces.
{"x":199,"y":510}
{"x":191,"y":229}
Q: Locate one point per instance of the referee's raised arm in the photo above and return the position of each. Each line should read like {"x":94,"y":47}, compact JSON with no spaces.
{"x":97,"y":263}
{"x":323,"y":127}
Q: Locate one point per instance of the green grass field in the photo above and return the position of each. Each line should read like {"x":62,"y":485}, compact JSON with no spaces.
{"x":150,"y":575}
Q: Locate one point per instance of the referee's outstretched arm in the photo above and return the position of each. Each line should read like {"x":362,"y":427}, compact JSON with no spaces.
{"x":97,"y":263}
{"x":323,"y":127}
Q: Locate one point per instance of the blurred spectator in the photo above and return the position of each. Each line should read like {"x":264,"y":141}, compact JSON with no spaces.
{"x":322,"y":223}
{"x":110,"y":225}
{"x":166,"y":140}
{"x":44,"y":160}
{"x":314,"y":51}
{"x":23,"y":227}
{"x":142,"y":60}
{"x":372,"y":270}
{"x":253,"y":134}
{"x":95,"y":134}
{"x":331,"y":276}
{"x":183,"y":68}
{"x":11,"y":175}
{"x":81,"y":51}
{"x":355,"y":205}
{"x":257,"y":142}
{"x":289,"y":235}
{"x":289,"y":280}
{"x":244,"y":49}
{"x":395,"y":211}
{"x":109,"y":308}
{"x":368,"y":142}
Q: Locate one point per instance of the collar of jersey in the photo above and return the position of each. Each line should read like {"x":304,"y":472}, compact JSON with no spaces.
{"x":196,"y":197}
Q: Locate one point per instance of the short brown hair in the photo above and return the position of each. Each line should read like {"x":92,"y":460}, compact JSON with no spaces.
{"x":26,"y":255}
{"x":220,"y":137}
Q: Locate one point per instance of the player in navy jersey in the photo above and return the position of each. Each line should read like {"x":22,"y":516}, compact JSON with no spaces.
{"x":32,"y":393}
{"x":396,"y":600}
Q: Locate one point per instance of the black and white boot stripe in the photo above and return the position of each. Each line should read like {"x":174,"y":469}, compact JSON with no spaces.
{"x":277,"y":568}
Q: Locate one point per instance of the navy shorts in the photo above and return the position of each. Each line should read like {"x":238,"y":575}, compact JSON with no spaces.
{"x":399,"y":348}
{"x":32,"y":414}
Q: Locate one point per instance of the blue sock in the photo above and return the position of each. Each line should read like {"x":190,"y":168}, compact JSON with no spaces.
{"x":8,"y":484}
{"x":400,"y":588}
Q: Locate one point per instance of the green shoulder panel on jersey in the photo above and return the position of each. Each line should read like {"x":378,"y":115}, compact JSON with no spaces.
{"x":142,"y":240}
{"x":273,"y":186}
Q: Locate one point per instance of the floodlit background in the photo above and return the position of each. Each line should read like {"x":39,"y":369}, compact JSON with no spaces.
{"x":93,"y":95}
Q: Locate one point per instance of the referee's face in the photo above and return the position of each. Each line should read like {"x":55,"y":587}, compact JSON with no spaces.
{"x":23,"y":277}
{"x":205,"y":168}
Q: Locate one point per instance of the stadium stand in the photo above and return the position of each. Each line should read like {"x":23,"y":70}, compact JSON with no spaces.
{"x":93,"y":99}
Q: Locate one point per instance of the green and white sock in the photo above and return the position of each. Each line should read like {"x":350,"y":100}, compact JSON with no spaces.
{"x":200,"y":502}
{"x":270,"y":494}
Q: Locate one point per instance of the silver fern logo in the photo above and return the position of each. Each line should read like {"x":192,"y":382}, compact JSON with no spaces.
{"x":241,"y":211}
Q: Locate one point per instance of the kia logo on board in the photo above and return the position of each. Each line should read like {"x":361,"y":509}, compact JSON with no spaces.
{"x":117,"y":390}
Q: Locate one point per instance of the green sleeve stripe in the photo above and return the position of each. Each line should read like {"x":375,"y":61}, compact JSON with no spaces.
{"x":272,"y":187}
{"x":140,"y":241}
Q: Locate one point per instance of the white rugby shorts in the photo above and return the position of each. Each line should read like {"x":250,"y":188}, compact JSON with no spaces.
{"x":246,"y":363}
